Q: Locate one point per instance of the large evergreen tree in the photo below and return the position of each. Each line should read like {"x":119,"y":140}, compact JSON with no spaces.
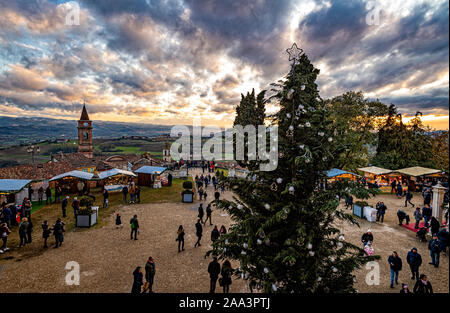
{"x":284,"y":235}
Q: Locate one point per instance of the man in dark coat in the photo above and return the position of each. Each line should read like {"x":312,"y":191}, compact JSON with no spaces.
{"x":208,"y":215}
{"x":414,"y":260}
{"x":426,"y":213}
{"x":198,"y":232}
{"x":64,"y":204}
{"x":150,"y":271}
{"x":395,"y":264}
{"x":435,"y":250}
{"x":201,"y":212}
{"x":48,"y":195}
{"x":214,"y":271}
{"x":75,"y":206}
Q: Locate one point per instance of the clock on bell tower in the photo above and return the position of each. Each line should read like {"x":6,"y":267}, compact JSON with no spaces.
{"x":85,"y":134}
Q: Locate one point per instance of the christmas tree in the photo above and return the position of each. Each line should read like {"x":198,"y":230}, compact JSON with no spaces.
{"x":284,"y":235}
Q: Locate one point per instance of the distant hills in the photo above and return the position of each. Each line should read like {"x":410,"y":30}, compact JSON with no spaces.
{"x":23,"y":130}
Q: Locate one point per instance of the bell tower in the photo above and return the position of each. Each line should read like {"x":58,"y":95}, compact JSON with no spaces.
{"x":85,"y":134}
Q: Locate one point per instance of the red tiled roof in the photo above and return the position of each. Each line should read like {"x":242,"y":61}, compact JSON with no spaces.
{"x":77,"y":160}
{"x":36,"y":172}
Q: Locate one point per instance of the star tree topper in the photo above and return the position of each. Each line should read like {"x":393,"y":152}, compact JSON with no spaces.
{"x":294,"y":53}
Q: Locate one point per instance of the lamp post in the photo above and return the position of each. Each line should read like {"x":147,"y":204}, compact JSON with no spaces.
{"x":33,"y":150}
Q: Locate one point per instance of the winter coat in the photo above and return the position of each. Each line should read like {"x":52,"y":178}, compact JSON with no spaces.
{"x":397,"y":263}
{"x":23,"y":228}
{"x":417,"y":215}
{"x":427,"y":211}
{"x":434,"y":246}
{"x":367,"y":237}
{"x":434,"y":226}
{"x":134,"y":223}
{"x":199,"y":229}
{"x":150,"y":270}
{"x":226,"y":275}
{"x":215,"y":235}
{"x":214,"y":269}
{"x":414,"y":259}
{"x":421,"y":288}
{"x":137,"y":282}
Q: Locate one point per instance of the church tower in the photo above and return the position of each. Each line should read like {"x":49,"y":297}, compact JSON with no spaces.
{"x":85,"y":134}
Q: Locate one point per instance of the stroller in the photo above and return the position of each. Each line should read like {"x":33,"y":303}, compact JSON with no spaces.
{"x":421,"y":233}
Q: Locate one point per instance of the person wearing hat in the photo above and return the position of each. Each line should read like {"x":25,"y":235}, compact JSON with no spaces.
{"x":423,"y":286}
{"x":64,"y":204}
{"x":150,"y":270}
{"x":367,"y":237}
{"x":414,"y":260}
{"x":405,"y":289}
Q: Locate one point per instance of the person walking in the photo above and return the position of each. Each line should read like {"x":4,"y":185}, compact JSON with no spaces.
{"x":200,"y":193}
{"x":137,"y":280}
{"x":201,"y":212}
{"x":150,"y":270}
{"x":423,"y":286}
{"x":214,"y":271}
{"x":23,"y":232}
{"x":435,"y":250}
{"x":134,"y":224}
{"x":205,"y":194}
{"x":105,"y":198}
{"x":418,"y":217}
{"x":215,"y":234}
{"x":208,"y":215}
{"x":414,"y":259}
{"x":198,"y":232}
{"x":226,"y":273}
{"x":180,"y":238}
{"x":45,"y":232}
{"x":399,"y":190}
{"x":395,"y":264}
{"x":408,"y":198}
{"x":48,"y":195}
{"x":64,"y":204}
{"x":367,"y":237}
{"x":4,"y":233}
{"x":125,"y":193}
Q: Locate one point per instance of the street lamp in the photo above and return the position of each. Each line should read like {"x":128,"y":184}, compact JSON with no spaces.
{"x":33,"y":150}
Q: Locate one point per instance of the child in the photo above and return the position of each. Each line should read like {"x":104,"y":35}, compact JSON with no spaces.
{"x":118,"y":220}
{"x":368,"y":249}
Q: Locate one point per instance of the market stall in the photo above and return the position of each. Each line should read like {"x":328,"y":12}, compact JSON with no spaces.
{"x":13,"y":190}
{"x":416,"y":177}
{"x":115,"y":179}
{"x":74,"y":181}
{"x":335,"y":174}
{"x":381,"y":176}
{"x":150,"y":175}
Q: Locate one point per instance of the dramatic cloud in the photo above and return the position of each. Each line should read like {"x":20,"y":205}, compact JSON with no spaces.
{"x":170,"y":61}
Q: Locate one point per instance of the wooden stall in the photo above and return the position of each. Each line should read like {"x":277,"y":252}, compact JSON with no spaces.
{"x":149,"y":175}
{"x":13,"y":190}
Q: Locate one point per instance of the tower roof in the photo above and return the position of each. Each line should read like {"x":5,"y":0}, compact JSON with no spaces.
{"x":84,"y":114}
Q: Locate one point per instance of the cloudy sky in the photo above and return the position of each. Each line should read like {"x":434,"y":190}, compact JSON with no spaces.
{"x":167,"y":62}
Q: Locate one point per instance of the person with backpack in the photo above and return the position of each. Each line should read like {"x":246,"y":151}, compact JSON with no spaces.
{"x":180,"y":238}
{"x":198,"y":232}
{"x":214,"y":271}
{"x":208,"y":215}
{"x":418,"y":217}
{"x":423,"y":286}
{"x":134,"y":224}
{"x":150,"y":270}
{"x":435,"y":250}
{"x":408,"y":198}
{"x":414,"y":259}
{"x":395,"y":264}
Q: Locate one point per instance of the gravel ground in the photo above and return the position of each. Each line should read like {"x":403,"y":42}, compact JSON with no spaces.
{"x":107,"y":256}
